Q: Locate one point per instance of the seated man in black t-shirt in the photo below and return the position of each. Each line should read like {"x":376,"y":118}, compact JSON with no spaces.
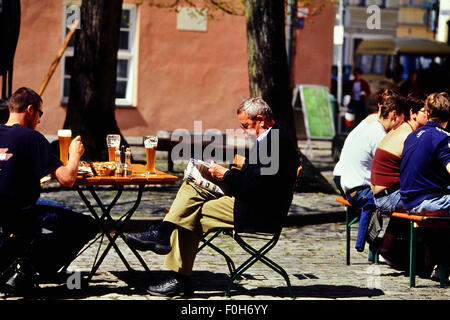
{"x":46,"y":238}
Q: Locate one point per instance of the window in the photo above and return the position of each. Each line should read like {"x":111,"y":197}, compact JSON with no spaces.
{"x":379,"y":64}
{"x":126,"y":57}
{"x":392,"y":4}
{"x":364,"y":61}
{"x":361,"y":3}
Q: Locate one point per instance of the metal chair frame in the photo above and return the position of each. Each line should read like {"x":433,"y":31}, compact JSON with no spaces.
{"x":255,"y":254}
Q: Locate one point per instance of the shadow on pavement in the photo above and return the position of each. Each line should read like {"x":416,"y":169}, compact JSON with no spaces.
{"x":213,"y":285}
{"x":206,"y":284}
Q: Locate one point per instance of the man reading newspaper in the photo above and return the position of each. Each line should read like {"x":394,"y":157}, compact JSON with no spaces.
{"x":257,"y":198}
{"x":197,"y":171}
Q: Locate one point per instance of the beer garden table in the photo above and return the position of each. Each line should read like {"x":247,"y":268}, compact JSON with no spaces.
{"x":139,"y":179}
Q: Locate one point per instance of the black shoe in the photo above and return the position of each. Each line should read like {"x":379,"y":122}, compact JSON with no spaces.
{"x":177,"y":285}
{"x":150,"y":240}
{"x":435,"y":276}
{"x":22,"y":282}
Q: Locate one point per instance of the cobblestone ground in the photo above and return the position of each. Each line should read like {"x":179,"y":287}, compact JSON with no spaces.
{"x":311,"y":249}
{"x":313,"y":256}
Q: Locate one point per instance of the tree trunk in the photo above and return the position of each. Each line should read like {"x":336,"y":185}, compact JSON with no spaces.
{"x":269,"y":76}
{"x":91,"y":107}
{"x":9,"y":35}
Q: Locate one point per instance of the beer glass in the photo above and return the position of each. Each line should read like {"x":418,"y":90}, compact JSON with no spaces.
{"x":64,"y":137}
{"x":113,"y":143}
{"x":150,"y":143}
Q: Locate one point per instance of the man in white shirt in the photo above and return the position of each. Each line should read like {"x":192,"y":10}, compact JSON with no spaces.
{"x":355,"y":163}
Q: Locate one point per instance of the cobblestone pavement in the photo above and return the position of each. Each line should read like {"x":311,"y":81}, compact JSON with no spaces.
{"x":311,"y":249}
{"x":312,"y":255}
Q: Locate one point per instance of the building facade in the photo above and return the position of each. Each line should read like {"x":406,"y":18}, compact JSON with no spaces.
{"x":398,"y":19}
{"x":173,"y":68}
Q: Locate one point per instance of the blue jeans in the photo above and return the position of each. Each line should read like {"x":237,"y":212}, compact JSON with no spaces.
{"x":389,"y":203}
{"x":47,"y":202}
{"x":441,"y":204}
{"x":362,"y":199}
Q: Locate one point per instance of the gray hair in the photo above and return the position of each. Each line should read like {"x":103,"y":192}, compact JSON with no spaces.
{"x":254,"y":107}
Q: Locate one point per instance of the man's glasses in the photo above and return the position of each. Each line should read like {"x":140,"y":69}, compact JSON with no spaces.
{"x":40,"y":112}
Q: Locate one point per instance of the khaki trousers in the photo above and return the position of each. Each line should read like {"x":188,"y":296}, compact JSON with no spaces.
{"x":196,"y":211}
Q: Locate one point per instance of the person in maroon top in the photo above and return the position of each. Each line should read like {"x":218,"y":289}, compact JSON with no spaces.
{"x":385,"y":180}
{"x":359,"y":91}
{"x":385,"y":173}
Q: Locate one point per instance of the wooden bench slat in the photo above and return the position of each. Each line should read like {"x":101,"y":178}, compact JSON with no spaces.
{"x":416,"y":221}
{"x":407,"y":216}
{"x":343,"y":201}
{"x":404,"y":215}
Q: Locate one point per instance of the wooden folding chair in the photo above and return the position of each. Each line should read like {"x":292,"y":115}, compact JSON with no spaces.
{"x":244,"y":240}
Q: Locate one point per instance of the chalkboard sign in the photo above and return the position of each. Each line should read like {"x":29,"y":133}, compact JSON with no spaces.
{"x":317,"y":112}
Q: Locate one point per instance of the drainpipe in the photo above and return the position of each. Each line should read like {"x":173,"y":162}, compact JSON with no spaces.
{"x":291,"y":13}
{"x":339,"y":65}
{"x":448,"y":32}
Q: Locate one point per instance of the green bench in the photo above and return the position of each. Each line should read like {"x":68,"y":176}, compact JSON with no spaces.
{"x":349,"y":221}
{"x":416,"y":222}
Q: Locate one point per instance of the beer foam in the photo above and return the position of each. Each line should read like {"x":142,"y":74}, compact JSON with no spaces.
{"x":65,"y":133}
{"x":150,"y":144}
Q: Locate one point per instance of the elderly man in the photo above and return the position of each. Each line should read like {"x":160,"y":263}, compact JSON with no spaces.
{"x":258,"y":198}
{"x":42,"y":238}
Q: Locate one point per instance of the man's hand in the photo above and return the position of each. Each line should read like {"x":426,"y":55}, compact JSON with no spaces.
{"x":66,"y":175}
{"x":217,"y":171}
{"x":76,"y":148}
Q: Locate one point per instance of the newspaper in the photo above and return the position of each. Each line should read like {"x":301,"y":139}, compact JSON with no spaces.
{"x":197,"y":172}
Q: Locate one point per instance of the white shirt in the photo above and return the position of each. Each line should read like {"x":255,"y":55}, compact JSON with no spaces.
{"x":355,"y":162}
{"x":263,"y":135}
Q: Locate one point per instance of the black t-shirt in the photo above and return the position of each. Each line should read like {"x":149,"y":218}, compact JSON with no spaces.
{"x":25,"y":157}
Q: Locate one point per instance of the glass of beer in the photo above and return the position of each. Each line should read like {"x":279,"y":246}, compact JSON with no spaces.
{"x":150,"y":143}
{"x":113,"y":143}
{"x":64,"y":137}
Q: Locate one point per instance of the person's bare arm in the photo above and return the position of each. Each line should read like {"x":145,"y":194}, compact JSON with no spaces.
{"x":66,"y":175}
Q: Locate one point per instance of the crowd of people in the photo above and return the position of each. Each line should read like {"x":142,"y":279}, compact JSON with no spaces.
{"x":399,"y":160}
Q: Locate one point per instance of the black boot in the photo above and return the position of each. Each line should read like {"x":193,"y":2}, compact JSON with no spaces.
{"x":21,"y":280}
{"x":175,"y":285}
{"x":154,"y":240}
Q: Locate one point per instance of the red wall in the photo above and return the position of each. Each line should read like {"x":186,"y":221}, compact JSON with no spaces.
{"x":313,"y":50}
{"x":183,"y":76}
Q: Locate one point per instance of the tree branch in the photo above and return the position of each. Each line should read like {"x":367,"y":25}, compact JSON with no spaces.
{"x":228,"y":7}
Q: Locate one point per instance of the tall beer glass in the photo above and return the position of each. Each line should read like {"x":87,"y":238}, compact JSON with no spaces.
{"x":150,"y":143}
{"x":113,"y":142}
{"x":64,"y":137}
